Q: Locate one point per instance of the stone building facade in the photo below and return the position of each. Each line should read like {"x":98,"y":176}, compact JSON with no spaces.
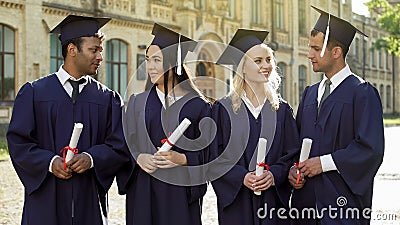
{"x":28,"y":51}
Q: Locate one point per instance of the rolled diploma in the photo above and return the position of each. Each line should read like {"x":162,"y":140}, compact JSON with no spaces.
{"x":304,"y":154}
{"x":261,"y":152}
{"x":76,"y":133}
{"x":178,"y":132}
{"x":305,"y":149}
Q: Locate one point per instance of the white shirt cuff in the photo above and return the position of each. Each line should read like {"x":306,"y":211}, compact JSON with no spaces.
{"x":91,"y":159}
{"x":327,"y":163}
{"x":51,"y":163}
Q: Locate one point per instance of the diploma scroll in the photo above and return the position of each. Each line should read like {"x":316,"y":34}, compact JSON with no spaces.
{"x":76,"y":133}
{"x":304,"y":154}
{"x":261,"y":153}
{"x":305,"y":149}
{"x":178,"y":132}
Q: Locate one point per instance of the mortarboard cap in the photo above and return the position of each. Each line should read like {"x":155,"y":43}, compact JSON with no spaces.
{"x":241,"y":42}
{"x":78,"y":26}
{"x":337,"y":28}
{"x":175,"y":46}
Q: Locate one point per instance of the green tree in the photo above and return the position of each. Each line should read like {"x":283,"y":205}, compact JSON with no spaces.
{"x":389,"y":20}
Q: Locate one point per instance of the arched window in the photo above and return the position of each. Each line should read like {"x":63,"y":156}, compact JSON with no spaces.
{"x":204,"y":70}
{"x":7,"y":63}
{"x":117,"y":65}
{"x":201,"y":69}
{"x":302,"y":79}
{"x":282,"y":72}
{"x":56,"y":58}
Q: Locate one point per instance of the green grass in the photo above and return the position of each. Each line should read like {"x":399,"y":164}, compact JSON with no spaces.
{"x":391,"y":120}
{"x":3,"y":151}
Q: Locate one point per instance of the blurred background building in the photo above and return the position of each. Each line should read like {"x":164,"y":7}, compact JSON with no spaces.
{"x":28,"y":51}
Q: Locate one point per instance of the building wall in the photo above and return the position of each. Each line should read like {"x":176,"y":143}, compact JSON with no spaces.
{"x":213,"y":25}
{"x":379,"y":67}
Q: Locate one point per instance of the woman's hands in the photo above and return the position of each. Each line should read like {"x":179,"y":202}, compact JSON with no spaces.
{"x":150,"y":163}
{"x":146,"y":162}
{"x":259,"y":183}
{"x":169,"y":159}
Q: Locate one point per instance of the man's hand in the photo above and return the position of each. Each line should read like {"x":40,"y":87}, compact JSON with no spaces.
{"x":79,"y":163}
{"x":311,"y":167}
{"x":57,"y":168}
{"x":293,"y":178}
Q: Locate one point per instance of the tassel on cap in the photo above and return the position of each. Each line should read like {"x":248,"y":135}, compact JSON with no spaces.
{"x":335,"y":28}
{"x":179,"y":58}
{"x":174,"y":44}
{"x":326,"y":37}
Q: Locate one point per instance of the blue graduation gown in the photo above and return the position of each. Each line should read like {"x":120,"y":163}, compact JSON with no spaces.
{"x":350,"y":127}
{"x":150,"y":200}
{"x":236,"y":147}
{"x":41,"y":125}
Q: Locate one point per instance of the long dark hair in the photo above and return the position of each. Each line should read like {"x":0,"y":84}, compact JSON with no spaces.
{"x":183,"y":80}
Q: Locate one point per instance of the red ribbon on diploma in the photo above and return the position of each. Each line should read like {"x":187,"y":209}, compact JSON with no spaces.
{"x":298,"y":172}
{"x":166,"y":140}
{"x":266,"y":167}
{"x":64,"y":153}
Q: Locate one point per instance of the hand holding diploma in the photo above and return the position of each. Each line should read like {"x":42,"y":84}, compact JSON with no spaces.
{"x":178,"y":132}
{"x":70,"y":150}
{"x":304,"y":154}
{"x":164,"y":158}
{"x":57,"y":168}
{"x":169,"y":159}
{"x":261,"y":153}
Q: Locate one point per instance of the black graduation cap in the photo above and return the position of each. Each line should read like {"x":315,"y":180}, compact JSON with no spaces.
{"x":78,"y":26}
{"x":175,"y":46}
{"x":241,"y":42}
{"x":339,"y":29}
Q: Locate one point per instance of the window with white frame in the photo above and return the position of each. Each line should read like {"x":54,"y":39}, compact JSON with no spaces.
{"x":117,"y":65}
{"x":7,"y":63}
{"x":56,"y":57}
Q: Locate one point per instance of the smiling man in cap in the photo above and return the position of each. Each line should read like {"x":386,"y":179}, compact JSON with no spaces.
{"x":56,"y":191}
{"x":342,"y":114}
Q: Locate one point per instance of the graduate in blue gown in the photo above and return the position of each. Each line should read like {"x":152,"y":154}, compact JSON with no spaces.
{"x":161,"y":188}
{"x":41,"y":125}
{"x":342,"y":114}
{"x":251,"y":111}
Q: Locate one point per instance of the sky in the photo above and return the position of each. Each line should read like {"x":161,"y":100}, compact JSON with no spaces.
{"x":359,"y":7}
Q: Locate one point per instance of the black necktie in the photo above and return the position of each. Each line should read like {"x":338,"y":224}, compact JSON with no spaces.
{"x":326,"y":92}
{"x":75,"y":87}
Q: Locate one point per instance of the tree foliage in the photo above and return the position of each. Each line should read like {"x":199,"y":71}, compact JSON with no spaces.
{"x":389,"y":20}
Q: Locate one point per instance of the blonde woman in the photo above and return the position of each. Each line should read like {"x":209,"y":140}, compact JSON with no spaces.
{"x":251,"y":111}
